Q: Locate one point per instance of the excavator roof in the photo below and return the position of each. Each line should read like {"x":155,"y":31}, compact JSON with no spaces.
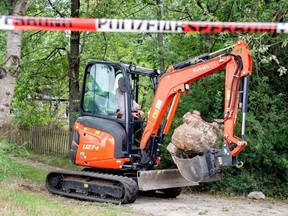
{"x":142,"y":70}
{"x":131,"y":68}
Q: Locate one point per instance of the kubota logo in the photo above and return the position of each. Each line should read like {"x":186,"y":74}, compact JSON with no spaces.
{"x":201,"y":68}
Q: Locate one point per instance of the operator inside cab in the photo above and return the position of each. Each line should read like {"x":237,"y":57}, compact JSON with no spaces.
{"x":106,"y":93}
{"x":111,"y":93}
{"x":120,"y":91}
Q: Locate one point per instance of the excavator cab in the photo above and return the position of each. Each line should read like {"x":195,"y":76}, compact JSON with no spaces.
{"x":102,"y":138}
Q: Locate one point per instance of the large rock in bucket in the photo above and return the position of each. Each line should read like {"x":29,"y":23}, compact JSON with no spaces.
{"x":195,"y":134}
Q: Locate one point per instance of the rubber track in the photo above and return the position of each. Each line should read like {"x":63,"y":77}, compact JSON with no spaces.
{"x":130,"y":186}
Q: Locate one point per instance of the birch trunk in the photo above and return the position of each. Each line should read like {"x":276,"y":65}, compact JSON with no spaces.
{"x":12,"y":66}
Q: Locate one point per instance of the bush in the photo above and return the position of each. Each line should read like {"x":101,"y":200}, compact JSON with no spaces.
{"x":265,"y":158}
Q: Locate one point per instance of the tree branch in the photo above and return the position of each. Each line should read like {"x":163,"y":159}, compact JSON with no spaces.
{"x":139,"y":10}
{"x":199,"y":4}
{"x":105,"y":45}
{"x":29,"y":3}
{"x":54,"y":52}
{"x":55,"y":9}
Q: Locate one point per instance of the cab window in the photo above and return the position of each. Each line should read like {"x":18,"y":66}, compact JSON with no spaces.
{"x":100,"y":90}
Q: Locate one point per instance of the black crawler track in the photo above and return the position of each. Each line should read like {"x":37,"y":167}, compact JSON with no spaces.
{"x":92,"y":186}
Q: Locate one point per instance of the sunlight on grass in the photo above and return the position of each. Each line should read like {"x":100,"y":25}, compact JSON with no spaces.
{"x":49,"y":159}
{"x":22,"y":188}
{"x":9,"y":167}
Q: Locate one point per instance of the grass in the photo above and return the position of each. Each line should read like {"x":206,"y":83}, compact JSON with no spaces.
{"x":21,"y":202}
{"x":52,"y":159}
{"x":22,"y":190}
{"x":9,"y":167}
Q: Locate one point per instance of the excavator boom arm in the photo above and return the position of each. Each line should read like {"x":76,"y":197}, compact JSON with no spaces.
{"x":172,"y":84}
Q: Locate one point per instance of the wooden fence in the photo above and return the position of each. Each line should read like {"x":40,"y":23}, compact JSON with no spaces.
{"x":41,"y":139}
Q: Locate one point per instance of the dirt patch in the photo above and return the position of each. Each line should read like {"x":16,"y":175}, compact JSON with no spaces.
{"x":2,"y":206}
{"x":186,"y":204}
{"x":30,"y":186}
{"x":202,"y":204}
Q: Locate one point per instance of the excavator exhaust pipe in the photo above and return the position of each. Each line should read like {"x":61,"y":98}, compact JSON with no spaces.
{"x":200,"y":167}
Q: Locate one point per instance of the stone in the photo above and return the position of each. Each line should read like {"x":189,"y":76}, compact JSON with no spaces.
{"x":256,"y":195}
{"x":195,"y":134}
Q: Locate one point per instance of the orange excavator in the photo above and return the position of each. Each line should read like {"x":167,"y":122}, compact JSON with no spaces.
{"x":121,"y":154}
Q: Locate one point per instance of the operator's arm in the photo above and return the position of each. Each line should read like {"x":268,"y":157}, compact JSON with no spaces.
{"x":137,"y":112}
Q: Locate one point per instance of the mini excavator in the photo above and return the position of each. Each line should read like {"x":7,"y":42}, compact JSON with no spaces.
{"x":118,"y":165}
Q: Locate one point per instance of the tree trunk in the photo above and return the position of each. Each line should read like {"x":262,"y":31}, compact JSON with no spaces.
{"x":74,"y":63}
{"x":11,"y":67}
{"x":160,"y":37}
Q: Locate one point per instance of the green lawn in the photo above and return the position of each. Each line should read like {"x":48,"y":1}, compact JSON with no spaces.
{"x":22,"y":189}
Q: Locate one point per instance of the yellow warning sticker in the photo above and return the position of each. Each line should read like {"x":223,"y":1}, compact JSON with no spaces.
{"x":97,"y":132}
{"x":155,"y":113}
{"x":86,"y":185}
{"x":228,"y":93}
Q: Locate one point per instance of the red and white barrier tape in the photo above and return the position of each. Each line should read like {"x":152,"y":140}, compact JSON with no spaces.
{"x":120,"y":25}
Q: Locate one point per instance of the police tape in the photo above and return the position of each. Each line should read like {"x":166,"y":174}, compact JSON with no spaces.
{"x":121,"y":25}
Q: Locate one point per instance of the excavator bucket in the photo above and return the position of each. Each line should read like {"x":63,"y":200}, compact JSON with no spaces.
{"x":193,"y":169}
{"x":201,"y":168}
